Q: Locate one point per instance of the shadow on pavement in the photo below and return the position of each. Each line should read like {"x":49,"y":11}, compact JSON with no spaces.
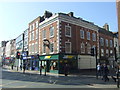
{"x":60,"y":80}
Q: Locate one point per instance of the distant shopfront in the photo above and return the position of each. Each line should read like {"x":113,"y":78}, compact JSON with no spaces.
{"x":55,"y":63}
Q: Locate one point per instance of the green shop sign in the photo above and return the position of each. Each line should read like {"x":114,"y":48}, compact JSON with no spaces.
{"x":49,"y":57}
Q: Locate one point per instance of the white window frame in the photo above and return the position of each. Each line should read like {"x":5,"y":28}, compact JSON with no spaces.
{"x":102,"y":52}
{"x":102,"y":41}
{"x":88,"y":48}
{"x":88,"y":35}
{"x":44,"y":34}
{"x":37,"y":33}
{"x":111,"y":43}
{"x":82,"y":48}
{"x":65,"y":31}
{"x":67,"y":46}
{"x":94,"y":36}
{"x":33,"y":26}
{"x":36,"y":24}
{"x":82,"y":34}
{"x":106,"y":42}
{"x":51,"y":28}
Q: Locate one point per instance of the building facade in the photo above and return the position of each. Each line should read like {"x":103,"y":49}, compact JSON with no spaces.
{"x":10,"y":52}
{"x":63,"y":39}
{"x":106,"y":45}
{"x":118,"y":15}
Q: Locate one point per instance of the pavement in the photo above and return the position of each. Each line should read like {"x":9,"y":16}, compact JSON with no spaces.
{"x":84,"y":78}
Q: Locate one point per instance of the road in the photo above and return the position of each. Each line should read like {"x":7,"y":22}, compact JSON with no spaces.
{"x":16,"y":79}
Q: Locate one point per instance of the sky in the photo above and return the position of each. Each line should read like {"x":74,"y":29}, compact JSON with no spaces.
{"x":15,"y":16}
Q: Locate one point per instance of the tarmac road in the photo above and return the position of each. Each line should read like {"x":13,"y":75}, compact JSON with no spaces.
{"x":16,"y":79}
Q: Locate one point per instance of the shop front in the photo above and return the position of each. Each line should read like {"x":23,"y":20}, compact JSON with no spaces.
{"x":55,"y":63}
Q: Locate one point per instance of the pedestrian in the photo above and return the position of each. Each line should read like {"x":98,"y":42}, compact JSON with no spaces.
{"x":24,"y":67}
{"x":101,"y":70}
{"x":66,"y":69}
{"x":98,"y":70}
{"x":21,"y":66}
{"x":105,"y":73}
{"x":12,"y":64}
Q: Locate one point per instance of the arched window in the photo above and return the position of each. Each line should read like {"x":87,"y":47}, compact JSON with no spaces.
{"x":82,"y":48}
{"x":88,"y":48}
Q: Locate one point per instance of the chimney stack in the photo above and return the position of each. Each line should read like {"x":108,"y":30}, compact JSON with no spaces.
{"x":70,"y":14}
{"x":106,"y":27}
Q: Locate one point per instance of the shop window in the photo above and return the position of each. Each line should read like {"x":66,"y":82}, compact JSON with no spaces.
{"x":54,"y":65}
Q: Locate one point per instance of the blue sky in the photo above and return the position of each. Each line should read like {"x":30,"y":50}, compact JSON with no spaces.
{"x":15,"y":16}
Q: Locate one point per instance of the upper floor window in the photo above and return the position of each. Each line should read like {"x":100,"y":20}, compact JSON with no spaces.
{"x":32,"y":35}
{"x":36,"y":24}
{"x":52,"y":47}
{"x":111,"y":43}
{"x":68,"y":31}
{"x":82,"y":34}
{"x":44,"y":34}
{"x":36,"y":33}
{"x":88,"y":35}
{"x":67,"y":47}
{"x":101,"y":41}
{"x":106,"y":41}
{"x":30,"y":27}
{"x":94,"y":36}
{"x":82,"y":48}
{"x":33,"y":26}
{"x":51,"y":31}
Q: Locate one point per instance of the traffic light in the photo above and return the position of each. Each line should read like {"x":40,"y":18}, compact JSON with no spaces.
{"x":92,"y":52}
{"x":18,"y":55}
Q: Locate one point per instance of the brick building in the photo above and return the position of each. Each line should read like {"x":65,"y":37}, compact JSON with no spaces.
{"x":33,"y":39}
{"x":64,"y":38}
{"x":118,"y":14}
{"x":106,"y":45}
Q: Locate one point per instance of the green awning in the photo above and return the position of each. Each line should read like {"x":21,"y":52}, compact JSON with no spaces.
{"x":49,"y":57}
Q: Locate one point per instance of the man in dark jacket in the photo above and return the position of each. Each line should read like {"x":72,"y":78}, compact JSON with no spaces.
{"x":105,"y":73}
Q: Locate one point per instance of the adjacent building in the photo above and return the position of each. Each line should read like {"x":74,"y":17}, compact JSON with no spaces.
{"x":118,"y":15}
{"x":10,"y":51}
{"x":106,"y":44}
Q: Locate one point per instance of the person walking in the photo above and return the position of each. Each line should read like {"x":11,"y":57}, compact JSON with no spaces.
{"x":98,"y":70}
{"x":24,"y":67}
{"x":105,"y":71}
{"x":66,"y":69}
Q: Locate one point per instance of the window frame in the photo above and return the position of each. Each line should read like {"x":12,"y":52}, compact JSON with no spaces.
{"x":69,"y":47}
{"x":66,"y":26}
{"x":82,"y":34}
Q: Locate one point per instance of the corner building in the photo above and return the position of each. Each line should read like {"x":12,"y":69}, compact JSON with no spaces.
{"x":63,"y":39}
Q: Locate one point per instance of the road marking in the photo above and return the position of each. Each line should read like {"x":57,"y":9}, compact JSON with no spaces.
{"x":10,"y":83}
